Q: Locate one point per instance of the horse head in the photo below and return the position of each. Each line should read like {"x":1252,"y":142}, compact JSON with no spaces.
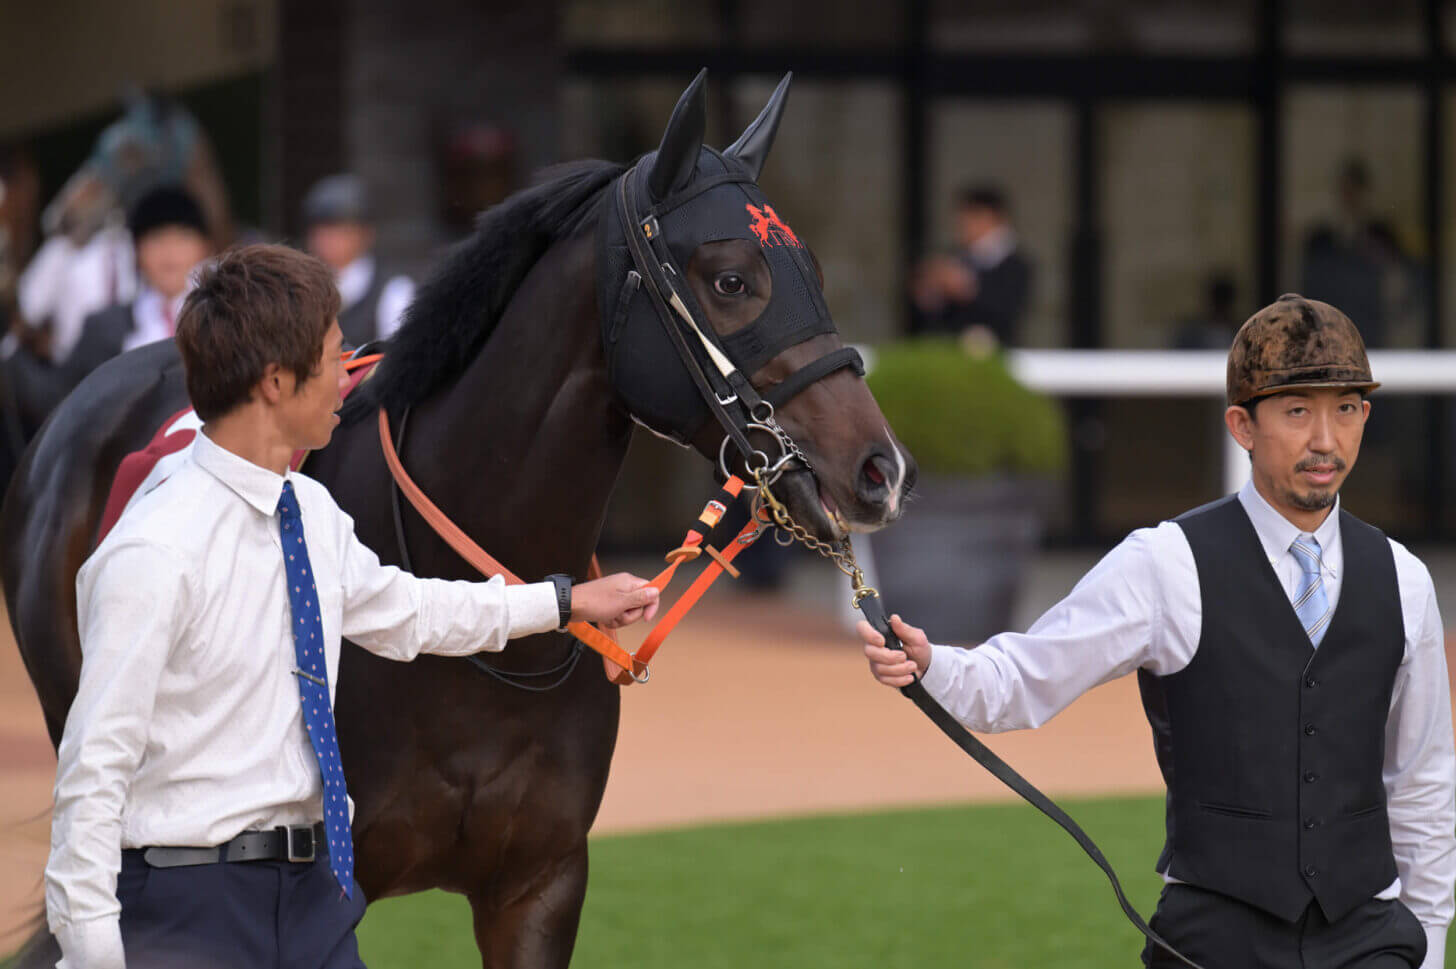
{"x":701,"y":284}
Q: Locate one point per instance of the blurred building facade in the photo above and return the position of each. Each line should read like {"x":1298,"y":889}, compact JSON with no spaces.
{"x":1145,"y":146}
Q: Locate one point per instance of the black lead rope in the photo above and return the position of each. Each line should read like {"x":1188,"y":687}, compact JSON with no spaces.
{"x":874,"y":612}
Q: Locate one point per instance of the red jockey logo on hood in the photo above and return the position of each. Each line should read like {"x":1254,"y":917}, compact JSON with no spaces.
{"x":769,"y":228}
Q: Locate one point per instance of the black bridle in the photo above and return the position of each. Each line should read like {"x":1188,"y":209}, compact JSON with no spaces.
{"x":729,"y":395}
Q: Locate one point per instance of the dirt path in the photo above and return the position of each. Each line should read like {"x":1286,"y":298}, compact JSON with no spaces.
{"x":27,"y":771}
{"x":761,"y":708}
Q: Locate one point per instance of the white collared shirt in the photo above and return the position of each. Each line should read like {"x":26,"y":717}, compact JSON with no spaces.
{"x":153,"y":317}
{"x":354,"y":281}
{"x":991,"y":249}
{"x":64,"y":283}
{"x":186,"y":728}
{"x":1140,"y":607}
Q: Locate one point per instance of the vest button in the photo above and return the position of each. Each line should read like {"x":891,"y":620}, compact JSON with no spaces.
{"x":1310,"y":871}
{"x":1310,"y":730}
{"x":1310,"y":777}
{"x":1311,"y":682}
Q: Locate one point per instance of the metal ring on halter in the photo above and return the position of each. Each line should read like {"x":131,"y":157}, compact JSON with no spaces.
{"x":723,"y":462}
{"x":765,"y":418}
{"x":772,"y":469}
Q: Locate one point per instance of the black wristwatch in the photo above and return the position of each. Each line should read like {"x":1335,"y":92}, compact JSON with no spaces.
{"x":563,"y":583}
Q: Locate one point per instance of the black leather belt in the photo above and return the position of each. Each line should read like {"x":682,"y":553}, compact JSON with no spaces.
{"x":294,"y":842}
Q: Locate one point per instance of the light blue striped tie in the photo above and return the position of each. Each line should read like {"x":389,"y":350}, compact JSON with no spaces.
{"x":1311,"y":604}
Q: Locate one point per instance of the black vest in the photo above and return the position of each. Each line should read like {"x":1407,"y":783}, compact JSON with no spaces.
{"x":1272,"y":750}
{"x":360,"y":322}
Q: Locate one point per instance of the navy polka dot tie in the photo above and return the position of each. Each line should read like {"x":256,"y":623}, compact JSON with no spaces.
{"x":312,"y":674}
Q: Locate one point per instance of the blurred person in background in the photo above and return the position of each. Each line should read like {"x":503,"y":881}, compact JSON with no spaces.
{"x":1213,"y":327}
{"x":1355,"y":260}
{"x":19,"y":210}
{"x":339,"y":231}
{"x":86,"y":262}
{"x":168,"y":234}
{"x":981,"y":289}
{"x":1292,"y":665}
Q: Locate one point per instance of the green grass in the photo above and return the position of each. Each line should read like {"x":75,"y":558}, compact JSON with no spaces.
{"x":989,"y":887}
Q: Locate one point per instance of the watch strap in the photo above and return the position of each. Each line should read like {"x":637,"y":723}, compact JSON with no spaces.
{"x":563,"y":583}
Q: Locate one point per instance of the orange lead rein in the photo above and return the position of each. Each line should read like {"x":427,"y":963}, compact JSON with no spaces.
{"x":622,"y":668}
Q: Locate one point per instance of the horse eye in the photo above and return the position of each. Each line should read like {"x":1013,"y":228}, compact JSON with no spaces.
{"x":729,"y":284}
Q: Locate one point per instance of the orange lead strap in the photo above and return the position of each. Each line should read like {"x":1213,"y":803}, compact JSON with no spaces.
{"x":622,"y":668}
{"x":720,"y":564}
{"x":482,"y":561}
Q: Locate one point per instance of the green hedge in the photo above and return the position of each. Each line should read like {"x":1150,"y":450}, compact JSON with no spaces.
{"x":965,"y":415}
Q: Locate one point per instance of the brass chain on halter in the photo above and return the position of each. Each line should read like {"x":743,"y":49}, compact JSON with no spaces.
{"x":840,"y":553}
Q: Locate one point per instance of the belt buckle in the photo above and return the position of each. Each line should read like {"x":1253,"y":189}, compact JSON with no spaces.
{"x":299,"y":842}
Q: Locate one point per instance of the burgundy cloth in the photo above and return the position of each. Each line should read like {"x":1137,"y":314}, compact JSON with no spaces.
{"x":136,"y":466}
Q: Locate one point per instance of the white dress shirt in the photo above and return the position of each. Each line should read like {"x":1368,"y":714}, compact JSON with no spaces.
{"x":65,"y":283}
{"x":1140,"y":607}
{"x":354,"y":281}
{"x":993,"y":248}
{"x":186,"y":728}
{"x":153,"y":317}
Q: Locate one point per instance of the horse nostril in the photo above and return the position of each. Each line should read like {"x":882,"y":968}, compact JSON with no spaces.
{"x":874,"y":479}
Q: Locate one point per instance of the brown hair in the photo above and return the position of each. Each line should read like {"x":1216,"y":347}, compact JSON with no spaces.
{"x":253,"y":306}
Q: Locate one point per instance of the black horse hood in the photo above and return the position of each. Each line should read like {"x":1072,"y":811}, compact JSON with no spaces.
{"x":714,"y":199}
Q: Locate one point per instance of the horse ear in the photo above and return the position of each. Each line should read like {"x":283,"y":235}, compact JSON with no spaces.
{"x":677,"y":156}
{"x":751,"y":148}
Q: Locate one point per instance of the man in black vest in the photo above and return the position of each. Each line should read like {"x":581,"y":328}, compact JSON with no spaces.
{"x":1292,"y":666}
{"x":337,"y":216}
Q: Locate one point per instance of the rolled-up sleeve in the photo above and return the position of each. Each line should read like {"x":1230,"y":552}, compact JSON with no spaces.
{"x":130,"y":600}
{"x":398,"y":615}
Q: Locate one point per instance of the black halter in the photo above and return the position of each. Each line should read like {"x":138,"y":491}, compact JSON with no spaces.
{"x":640,"y":280}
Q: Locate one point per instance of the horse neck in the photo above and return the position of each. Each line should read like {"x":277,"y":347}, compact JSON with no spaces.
{"x":525,"y":447}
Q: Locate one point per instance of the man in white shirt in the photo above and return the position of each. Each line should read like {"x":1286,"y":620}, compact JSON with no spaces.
{"x":169,"y":239}
{"x":337,"y":218}
{"x":1292,"y":665}
{"x":201,"y":817}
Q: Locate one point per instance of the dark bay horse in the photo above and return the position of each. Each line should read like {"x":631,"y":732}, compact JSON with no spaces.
{"x":517,"y":428}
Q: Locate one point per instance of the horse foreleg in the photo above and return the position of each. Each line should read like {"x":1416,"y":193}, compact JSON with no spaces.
{"x":533,"y":923}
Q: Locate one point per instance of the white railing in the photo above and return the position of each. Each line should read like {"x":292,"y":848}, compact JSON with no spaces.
{"x":1200,"y":373}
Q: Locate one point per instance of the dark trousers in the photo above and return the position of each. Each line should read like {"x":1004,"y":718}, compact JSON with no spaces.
{"x":237,"y":915}
{"x":1219,"y":932}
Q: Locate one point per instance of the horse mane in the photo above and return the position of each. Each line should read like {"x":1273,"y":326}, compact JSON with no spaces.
{"x":457,"y":309}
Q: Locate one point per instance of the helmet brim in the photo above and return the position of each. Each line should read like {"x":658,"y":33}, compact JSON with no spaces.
{"x":1364,"y":386}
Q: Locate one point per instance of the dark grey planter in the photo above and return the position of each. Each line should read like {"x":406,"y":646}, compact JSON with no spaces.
{"x":954,"y":562}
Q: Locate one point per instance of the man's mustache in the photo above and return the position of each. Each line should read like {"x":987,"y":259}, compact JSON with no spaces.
{"x":1317,"y":460}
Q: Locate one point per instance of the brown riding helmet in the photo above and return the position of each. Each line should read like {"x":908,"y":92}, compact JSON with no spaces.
{"x":1296,"y":343}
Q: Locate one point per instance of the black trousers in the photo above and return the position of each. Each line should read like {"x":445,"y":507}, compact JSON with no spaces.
{"x":237,"y":915}
{"x":1219,"y":932}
